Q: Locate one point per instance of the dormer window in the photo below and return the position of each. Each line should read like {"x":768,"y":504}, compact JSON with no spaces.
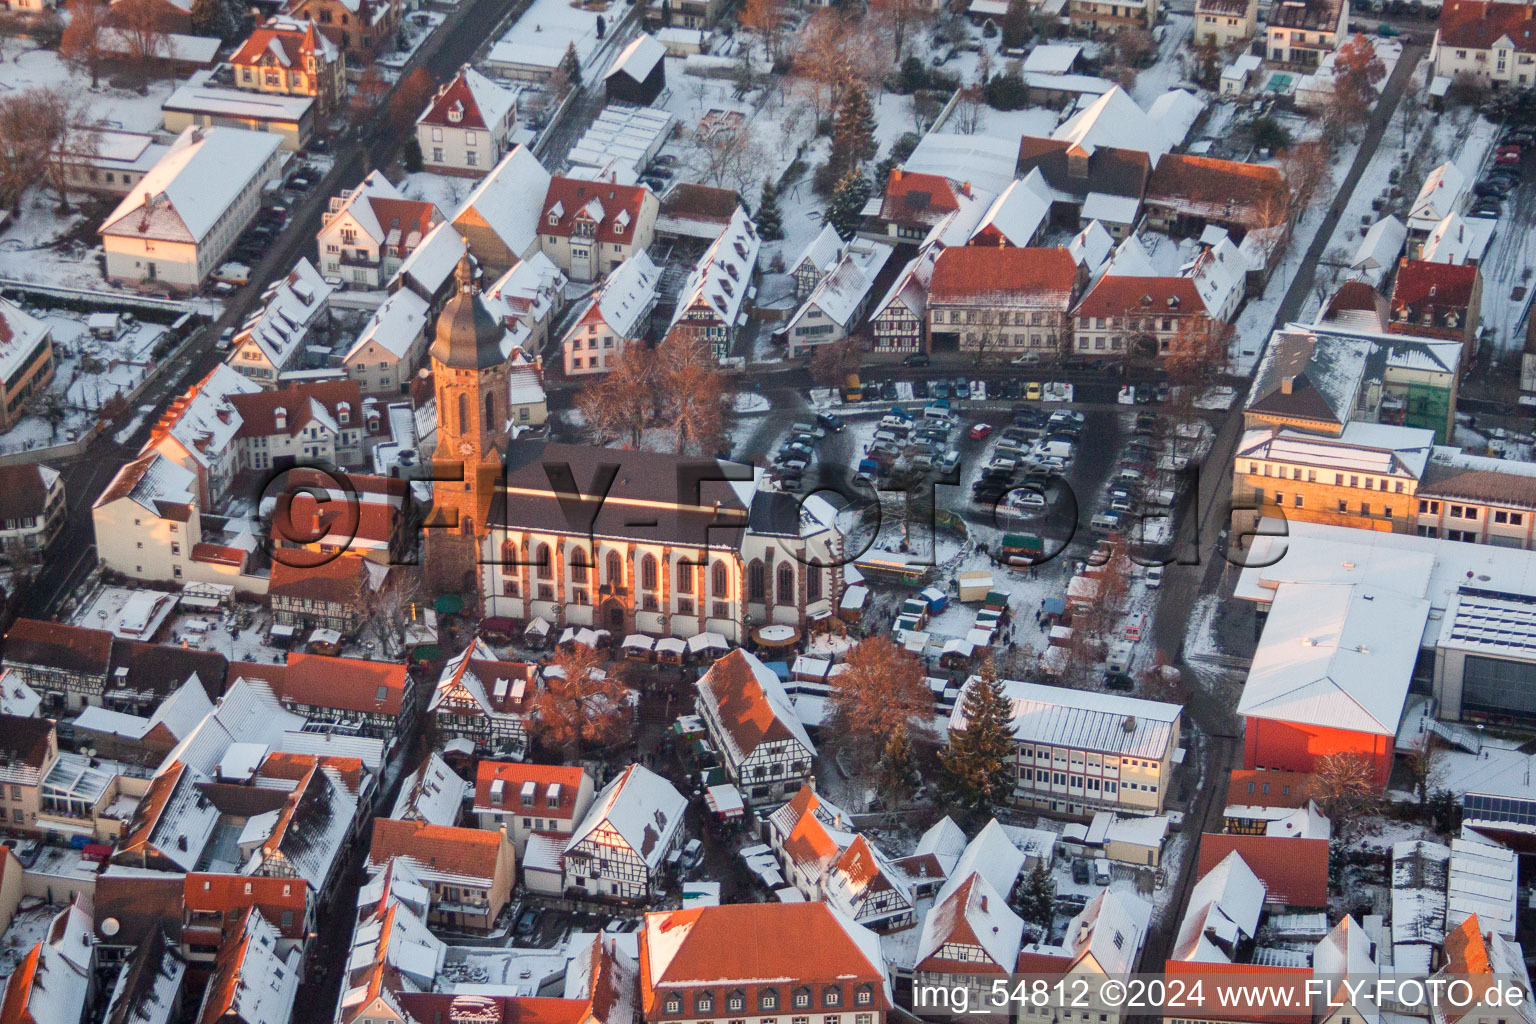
{"x":456,"y":113}
{"x":802,"y":998}
{"x":768,"y":999}
{"x":704,"y":1003}
{"x":618,"y":227}
{"x":554,"y":219}
{"x":831,"y":996}
{"x":674,"y":1004}
{"x":865,"y":995}
{"x":735,"y":1001}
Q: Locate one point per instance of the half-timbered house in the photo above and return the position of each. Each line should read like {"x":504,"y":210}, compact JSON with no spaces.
{"x":750,"y":720}
{"x":620,"y":847}
{"x":485,"y":700}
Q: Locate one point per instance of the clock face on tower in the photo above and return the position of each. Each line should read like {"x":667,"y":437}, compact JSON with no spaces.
{"x":466,"y":446}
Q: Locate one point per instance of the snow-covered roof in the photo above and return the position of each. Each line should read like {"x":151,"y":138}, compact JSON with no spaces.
{"x":642,"y":807}
{"x":358,"y":203}
{"x":1085,"y":719}
{"x":1220,"y":274}
{"x":1017,"y":213}
{"x":822,"y":251}
{"x":841,"y":292}
{"x":20,"y":335}
{"x":1111,"y":208}
{"x":431,"y":263}
{"x":1419,"y":872}
{"x":1052,"y":58}
{"x":750,"y":704}
{"x":207,"y":421}
{"x":395,"y":326}
{"x":527,"y":292}
{"x":626,"y":296}
{"x":639,"y":58}
{"x":1332,"y":655}
{"x":1091,"y":247}
{"x":1114,"y":120}
{"x":1440,"y":196}
{"x":1380,"y":247}
{"x":1482,"y":881}
{"x":1175,"y":113}
{"x":292,"y":305}
{"x":193,"y":185}
{"x":944,"y":840}
{"x":910,"y":287}
{"x":470,"y":100}
{"x":433,"y":793}
{"x":1458,"y":239}
{"x":989,"y":160}
{"x":724,"y":273}
{"x":1111,"y":930}
{"x":510,"y":199}
{"x":1223,"y":908}
{"x":199,"y":98}
{"x":1377,"y":448}
{"x":971,"y":912}
{"x":253,"y":983}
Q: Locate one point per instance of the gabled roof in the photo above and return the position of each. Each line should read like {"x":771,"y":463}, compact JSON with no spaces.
{"x":347,"y":579}
{"x":1294,"y":870}
{"x":398,"y":323}
{"x":292,"y":304}
{"x":860,"y":879}
{"x":286,"y":42}
{"x":1440,"y":194}
{"x":842,"y":290}
{"x":203,"y":420}
{"x":1223,"y":908}
{"x":1381,"y":246}
{"x":434,"y":793}
{"x":627,"y":295}
{"x":638,"y":59}
{"x":1435,"y":288}
{"x":1304,"y":376}
{"x":751,"y":705}
{"x":1333,"y":656}
{"x":810,"y":832}
{"x":437,"y":852}
{"x":822,"y":251}
{"x":470,"y":100}
{"x":1116,"y":296}
{"x":174,"y":820}
{"x":215,"y":892}
{"x":565,"y":780}
{"x":1357,"y":305}
{"x":1308,"y":14}
{"x":1223,"y":190}
{"x":642,"y":807}
{"x":722,"y":277}
{"x":1088,"y":720}
{"x":912,"y":197}
{"x":910,"y":289}
{"x":199,"y":178}
{"x":496,"y":687}
{"x":1006,"y":274}
{"x":59,"y":645}
{"x":1091,"y":247}
{"x":743,"y":943}
{"x":52,"y":981}
{"x":1115,"y":121}
{"x":24,"y":741}
{"x":1110,"y":931}
{"x":154,"y":483}
{"x":613,"y":209}
{"x":1016,"y":214}
{"x":1479,"y":24}
{"x":347,"y":684}
{"x":970,"y":912}
{"x":509,"y":201}
{"x":252,"y":983}
{"x":20,"y":335}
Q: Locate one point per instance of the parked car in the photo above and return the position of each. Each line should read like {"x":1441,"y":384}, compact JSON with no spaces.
{"x":1507,"y":155}
{"x":1154,"y":576}
{"x":1033,"y":391}
{"x":1488,"y":207}
{"x":226,"y":336}
{"x":916,"y":359}
{"x":979,"y":431}
{"x":830,"y":421}
{"x":1491,"y":189}
{"x":1081,"y":873}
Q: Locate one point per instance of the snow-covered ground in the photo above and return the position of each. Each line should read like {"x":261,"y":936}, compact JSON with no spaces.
{"x":446,"y":190}
{"x":117,"y":108}
{"x":89,"y":372}
{"x":416,"y":27}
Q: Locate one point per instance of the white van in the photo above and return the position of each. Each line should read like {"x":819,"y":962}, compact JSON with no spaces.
{"x":1120,"y":653}
{"x":1101,"y":875}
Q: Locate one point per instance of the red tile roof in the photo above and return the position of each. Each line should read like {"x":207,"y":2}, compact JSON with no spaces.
{"x":745,"y":711}
{"x":455,"y":93}
{"x":470,"y":852}
{"x":229,"y":894}
{"x":296,"y":45}
{"x":1478,"y":24}
{"x":258,"y":410}
{"x":1294,"y":871}
{"x":1439,"y":285}
{"x":18,"y":990}
{"x":913,"y":198}
{"x":56,"y":645}
{"x":407,"y":216}
{"x":1141,"y":296}
{"x":513,"y":776}
{"x":969,"y":272}
{"x":747,"y":941}
{"x":1222,"y":189}
{"x":350,"y":684}
{"x":571,"y":199}
{"x":342,"y":579}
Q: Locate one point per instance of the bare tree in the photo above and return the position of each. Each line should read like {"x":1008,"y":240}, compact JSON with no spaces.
{"x":410,"y":97}
{"x":27,"y":128}
{"x":765,"y":18}
{"x":81,"y":43}
{"x":1426,"y":766}
{"x":582,"y":704}
{"x":968,"y":111}
{"x":64,"y":133}
{"x":142,"y":35}
{"x":898,"y":18}
{"x":820,"y":56}
{"x":1347,"y":791}
{"x":833,"y":362}
{"x":367,"y":95}
{"x":1307,"y":173}
{"x":729,"y":154}
{"x":623,"y":402}
{"x":880,"y":694}
{"x":693,"y":392}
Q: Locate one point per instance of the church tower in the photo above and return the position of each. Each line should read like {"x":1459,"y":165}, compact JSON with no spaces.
{"x":470,"y":378}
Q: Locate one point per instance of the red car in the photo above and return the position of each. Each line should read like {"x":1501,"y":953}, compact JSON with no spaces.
{"x":1507,"y":155}
{"x":979,"y":431}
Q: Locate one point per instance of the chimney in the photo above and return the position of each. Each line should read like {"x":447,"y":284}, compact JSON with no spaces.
{"x":895,"y":173}
{"x":1287,"y":383}
{"x":1431,"y":291}
{"x":965,"y":189}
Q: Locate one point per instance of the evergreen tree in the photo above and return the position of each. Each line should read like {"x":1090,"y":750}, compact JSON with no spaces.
{"x":1037,"y":898}
{"x":897,"y":771}
{"x":570,"y":64}
{"x":976,"y":760}
{"x":845,"y":212}
{"x":213,"y":18}
{"x":853,"y":130}
{"x":770,"y":222}
{"x":411,"y":155}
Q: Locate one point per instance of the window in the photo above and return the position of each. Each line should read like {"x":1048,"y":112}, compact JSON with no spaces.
{"x":685,"y":575}
{"x":648,"y":572}
{"x":865,"y":995}
{"x":703,"y":1003}
{"x":768,"y":999}
{"x":786,"y":584}
{"x":757,"y":581}
{"x":813,"y":583}
{"x":615,"y":570}
{"x":674,"y":1004}
{"x":802,"y":1000}
{"x":831,"y":996}
{"x":545,"y":563}
{"x":578,"y":565}
{"x":719,"y":584}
